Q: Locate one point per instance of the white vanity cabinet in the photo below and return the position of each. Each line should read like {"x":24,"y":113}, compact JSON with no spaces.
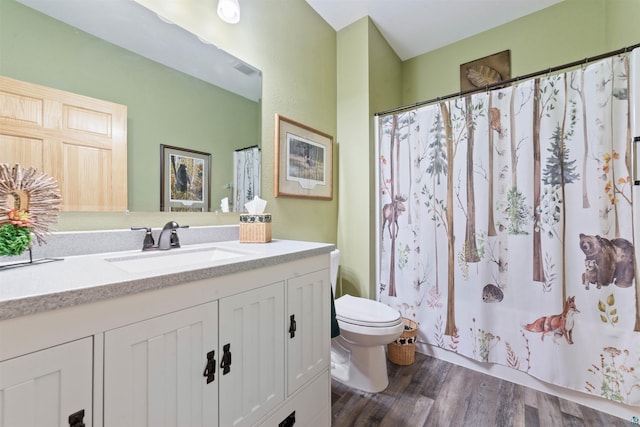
{"x":50,"y":387}
{"x":246,"y":348}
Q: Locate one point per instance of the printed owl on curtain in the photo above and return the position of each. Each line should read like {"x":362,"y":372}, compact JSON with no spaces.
{"x":506,"y":227}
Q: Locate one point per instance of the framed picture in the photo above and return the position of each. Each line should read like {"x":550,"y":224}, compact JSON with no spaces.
{"x":303,"y":161}
{"x":185,"y":180}
{"x":485,"y":71}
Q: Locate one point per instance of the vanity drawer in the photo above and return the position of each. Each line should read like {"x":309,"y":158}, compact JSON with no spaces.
{"x":304,"y":406}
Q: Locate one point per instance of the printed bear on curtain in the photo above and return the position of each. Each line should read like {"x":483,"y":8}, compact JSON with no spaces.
{"x":613,"y":259}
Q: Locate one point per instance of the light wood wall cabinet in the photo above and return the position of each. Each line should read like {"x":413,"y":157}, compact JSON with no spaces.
{"x":245,"y":349}
{"x":78,"y":140}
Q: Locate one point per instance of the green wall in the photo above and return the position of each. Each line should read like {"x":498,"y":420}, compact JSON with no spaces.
{"x":164,"y":106}
{"x":354,"y":236}
{"x":566,"y":32}
{"x":369,"y":77}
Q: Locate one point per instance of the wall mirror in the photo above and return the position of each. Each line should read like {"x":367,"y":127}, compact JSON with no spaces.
{"x":179,"y":90}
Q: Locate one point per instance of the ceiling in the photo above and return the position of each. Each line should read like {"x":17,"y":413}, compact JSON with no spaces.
{"x":414,"y":27}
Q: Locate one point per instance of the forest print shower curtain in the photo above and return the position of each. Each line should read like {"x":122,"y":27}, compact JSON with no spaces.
{"x":505,"y":227}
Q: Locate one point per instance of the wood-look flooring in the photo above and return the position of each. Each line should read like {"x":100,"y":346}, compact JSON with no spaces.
{"x":434,"y":393}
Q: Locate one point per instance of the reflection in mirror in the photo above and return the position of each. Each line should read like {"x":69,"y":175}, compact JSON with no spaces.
{"x":178,"y":90}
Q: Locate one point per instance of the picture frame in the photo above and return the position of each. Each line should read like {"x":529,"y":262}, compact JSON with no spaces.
{"x":485,"y":71}
{"x":185,"y":180}
{"x":303,"y":161}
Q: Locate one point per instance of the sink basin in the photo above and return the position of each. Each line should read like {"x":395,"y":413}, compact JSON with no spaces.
{"x":173,"y":259}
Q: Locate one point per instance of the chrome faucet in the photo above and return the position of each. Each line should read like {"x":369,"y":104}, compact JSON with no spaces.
{"x":169,"y":236}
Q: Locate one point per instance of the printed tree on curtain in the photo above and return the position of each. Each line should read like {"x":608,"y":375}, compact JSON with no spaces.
{"x":450,"y":327}
{"x":437,"y":166}
{"x":513,"y":138}
{"x":543,"y":102}
{"x":579,"y":88}
{"x":559,"y":171}
{"x":494,"y":126}
{"x":399,"y":132}
{"x":516,"y":213}
{"x":472,"y":112}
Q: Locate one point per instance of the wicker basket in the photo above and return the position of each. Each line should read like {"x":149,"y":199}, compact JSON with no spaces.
{"x":403,"y":350}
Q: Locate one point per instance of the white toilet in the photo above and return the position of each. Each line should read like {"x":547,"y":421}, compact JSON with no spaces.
{"x":366,"y":327}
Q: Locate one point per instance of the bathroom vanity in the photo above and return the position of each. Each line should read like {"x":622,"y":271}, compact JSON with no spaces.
{"x":222,"y":334}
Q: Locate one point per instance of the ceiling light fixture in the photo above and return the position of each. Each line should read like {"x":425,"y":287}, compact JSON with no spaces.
{"x":229,"y":11}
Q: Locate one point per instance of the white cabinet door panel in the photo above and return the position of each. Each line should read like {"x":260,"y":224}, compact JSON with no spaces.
{"x":42,"y":389}
{"x":252,"y":324}
{"x":153,"y":371}
{"x":308,"y":300}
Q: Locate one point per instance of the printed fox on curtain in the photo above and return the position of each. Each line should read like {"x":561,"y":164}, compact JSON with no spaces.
{"x":506,"y":227}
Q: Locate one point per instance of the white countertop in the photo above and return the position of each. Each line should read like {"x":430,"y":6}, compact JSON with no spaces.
{"x":88,"y":278}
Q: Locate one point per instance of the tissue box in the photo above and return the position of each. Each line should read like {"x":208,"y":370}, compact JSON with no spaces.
{"x":255,"y":228}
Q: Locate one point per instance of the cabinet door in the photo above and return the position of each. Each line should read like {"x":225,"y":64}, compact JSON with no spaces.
{"x":309,"y":306}
{"x":153,"y":371}
{"x":252,"y":326}
{"x":44,"y":388}
{"x":79,"y":141}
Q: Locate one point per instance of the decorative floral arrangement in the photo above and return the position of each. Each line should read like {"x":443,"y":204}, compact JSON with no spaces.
{"x":29,"y":204}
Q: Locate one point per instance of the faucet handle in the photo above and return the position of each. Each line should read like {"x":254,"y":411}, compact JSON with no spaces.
{"x":148,"y":238}
{"x":175,"y":240}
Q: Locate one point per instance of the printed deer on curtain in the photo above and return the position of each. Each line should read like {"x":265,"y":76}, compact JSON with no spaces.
{"x":506,"y":230}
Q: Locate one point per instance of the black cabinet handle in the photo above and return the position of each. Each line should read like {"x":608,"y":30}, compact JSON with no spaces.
{"x":77,"y":419}
{"x":289,"y":421}
{"x":210,"y":368}
{"x":292,"y":326}
{"x":225,"y":363}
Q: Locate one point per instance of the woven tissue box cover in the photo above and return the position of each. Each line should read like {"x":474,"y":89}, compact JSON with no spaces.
{"x":255,"y":228}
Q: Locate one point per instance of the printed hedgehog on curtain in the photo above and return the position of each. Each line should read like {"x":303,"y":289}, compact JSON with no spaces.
{"x":517,"y":204}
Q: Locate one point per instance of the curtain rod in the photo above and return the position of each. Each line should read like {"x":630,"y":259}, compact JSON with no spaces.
{"x":246,"y":148}
{"x":512,"y":80}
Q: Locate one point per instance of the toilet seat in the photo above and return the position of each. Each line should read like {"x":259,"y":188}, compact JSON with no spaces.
{"x":366,"y":312}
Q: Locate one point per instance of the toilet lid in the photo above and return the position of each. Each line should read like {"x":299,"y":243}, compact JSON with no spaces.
{"x":365,"y":312}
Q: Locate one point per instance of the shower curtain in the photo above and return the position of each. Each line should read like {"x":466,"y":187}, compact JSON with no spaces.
{"x":505,"y":227}
{"x":246,"y":177}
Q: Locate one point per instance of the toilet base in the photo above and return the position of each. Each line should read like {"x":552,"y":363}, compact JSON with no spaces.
{"x":362,"y":368}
